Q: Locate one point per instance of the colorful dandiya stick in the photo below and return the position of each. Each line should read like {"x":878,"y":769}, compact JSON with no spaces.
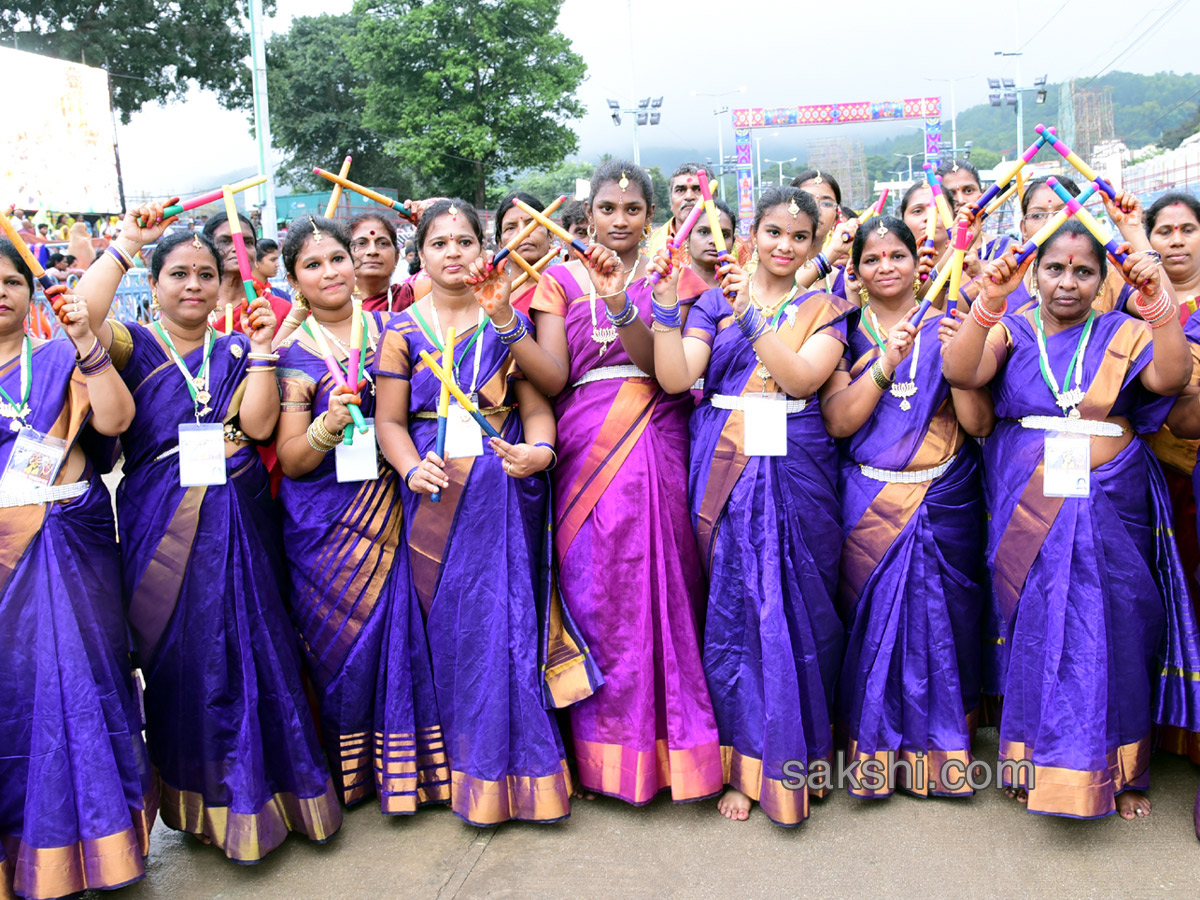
{"x":528,"y":270}
{"x":931,"y":217}
{"x":366,"y":192}
{"x":463,"y":400}
{"x":356,"y":339}
{"x":939,"y":197}
{"x":681,"y":236}
{"x":1002,"y":181}
{"x":243,"y":258}
{"x":526,"y":231}
{"x":336,"y":194}
{"x":998,"y":202}
{"x":714,"y":220}
{"x":339,"y":378}
{"x":538,"y":266}
{"x":443,"y":409}
{"x":1075,"y":208}
{"x":962,"y":238}
{"x":551,"y":226}
{"x":882,"y":200}
{"x":1052,"y":225}
{"x":1073,"y":158}
{"x":23,"y":249}
{"x":211,"y":197}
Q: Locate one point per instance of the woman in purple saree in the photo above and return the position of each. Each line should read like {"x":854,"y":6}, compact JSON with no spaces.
{"x":228,"y":727}
{"x":478,"y":555}
{"x":626,"y":555}
{"x":1100,"y":632}
{"x":764,"y":505}
{"x":342,"y":530}
{"x":913,"y":518}
{"x":77,"y":797}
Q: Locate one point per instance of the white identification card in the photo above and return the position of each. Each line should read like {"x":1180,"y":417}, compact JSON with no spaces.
{"x":1067,"y":465}
{"x":359,"y":461}
{"x":201,"y":454}
{"x":34,"y":462}
{"x":464,"y":437}
{"x":766,"y":425}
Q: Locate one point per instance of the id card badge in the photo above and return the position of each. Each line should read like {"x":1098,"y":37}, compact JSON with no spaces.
{"x":201,"y":454}
{"x":359,"y":461}
{"x":1067,"y":465}
{"x":766,"y":426}
{"x":34,"y":462}
{"x":464,"y":437}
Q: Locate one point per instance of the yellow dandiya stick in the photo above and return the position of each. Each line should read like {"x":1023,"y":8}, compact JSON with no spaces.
{"x":336,"y":195}
{"x":538,"y":266}
{"x":23,"y":249}
{"x":999,"y":201}
{"x":529,"y":270}
{"x":366,"y":192}
{"x":463,"y":400}
{"x":551,"y":226}
{"x":527,"y":231}
{"x":443,"y":410}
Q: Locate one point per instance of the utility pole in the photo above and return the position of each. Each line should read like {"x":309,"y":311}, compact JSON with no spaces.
{"x":262,"y":117}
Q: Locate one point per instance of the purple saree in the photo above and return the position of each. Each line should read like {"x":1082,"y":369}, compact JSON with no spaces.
{"x":341,"y":542}
{"x":77,"y":798}
{"x":228,"y":726}
{"x":769,"y":536}
{"x":912,"y":572}
{"x":1100,"y":636}
{"x":478,"y":573}
{"x":628,"y":566}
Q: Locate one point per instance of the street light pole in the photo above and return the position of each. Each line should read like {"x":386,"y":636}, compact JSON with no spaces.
{"x":717,"y":113}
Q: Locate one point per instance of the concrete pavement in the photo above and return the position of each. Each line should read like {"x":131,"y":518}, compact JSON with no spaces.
{"x":986,"y":846}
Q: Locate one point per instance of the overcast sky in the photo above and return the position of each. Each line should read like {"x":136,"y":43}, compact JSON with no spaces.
{"x":880,"y":50}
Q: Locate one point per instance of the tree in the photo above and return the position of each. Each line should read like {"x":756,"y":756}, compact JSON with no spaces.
{"x":1173,"y":137}
{"x":315,"y":107}
{"x":546,"y":185}
{"x":154,"y":50}
{"x":466,"y":90}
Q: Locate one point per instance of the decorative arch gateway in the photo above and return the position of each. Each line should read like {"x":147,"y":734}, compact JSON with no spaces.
{"x":747,"y":119}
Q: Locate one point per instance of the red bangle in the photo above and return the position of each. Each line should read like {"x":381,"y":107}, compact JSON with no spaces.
{"x":984,"y":317}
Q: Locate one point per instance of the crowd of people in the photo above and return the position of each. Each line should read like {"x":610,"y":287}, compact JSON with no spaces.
{"x":654,"y":518}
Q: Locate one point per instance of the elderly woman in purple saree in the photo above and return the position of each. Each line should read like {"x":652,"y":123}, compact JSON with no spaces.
{"x":1100,"y":631}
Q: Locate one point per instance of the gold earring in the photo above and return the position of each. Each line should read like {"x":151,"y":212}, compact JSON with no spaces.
{"x":300,"y":302}
{"x":155,"y":307}
{"x":864,"y":294}
{"x":647,"y":230}
{"x":591,"y":232}
{"x":753,"y":258}
{"x":916,"y":287}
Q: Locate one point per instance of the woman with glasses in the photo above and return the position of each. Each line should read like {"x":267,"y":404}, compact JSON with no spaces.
{"x":825,"y":268}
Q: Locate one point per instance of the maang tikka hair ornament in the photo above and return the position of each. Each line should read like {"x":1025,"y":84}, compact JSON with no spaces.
{"x":623,"y":184}
{"x":316,"y":231}
{"x":881,"y":230}
{"x":793,"y":208}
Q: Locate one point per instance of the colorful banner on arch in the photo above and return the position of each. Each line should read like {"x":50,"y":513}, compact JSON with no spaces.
{"x":745,"y":120}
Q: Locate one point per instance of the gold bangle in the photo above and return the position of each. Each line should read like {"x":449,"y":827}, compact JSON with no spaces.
{"x":879,"y":377}
{"x":655,"y":326}
{"x":261,"y":369}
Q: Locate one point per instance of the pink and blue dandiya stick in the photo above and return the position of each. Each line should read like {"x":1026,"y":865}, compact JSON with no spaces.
{"x":340,"y":379}
{"x":962,"y":243}
{"x":526,"y":231}
{"x":1073,"y":158}
{"x":1075,"y":208}
{"x":939,"y":198}
{"x":243,"y":258}
{"x":463,"y":400}
{"x":1051,"y":226}
{"x":681,"y":236}
{"x":1011,"y":172}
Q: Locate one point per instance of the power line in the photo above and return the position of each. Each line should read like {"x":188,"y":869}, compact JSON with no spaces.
{"x":1146,"y":128}
{"x":1170,"y":10}
{"x":1066,"y":3}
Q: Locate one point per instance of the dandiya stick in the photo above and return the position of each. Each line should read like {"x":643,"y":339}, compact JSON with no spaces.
{"x":243,"y":258}
{"x":356,"y":339}
{"x":1075,"y":207}
{"x":939,"y":198}
{"x":366,"y":192}
{"x":682,"y":235}
{"x":211,"y":197}
{"x":1055,"y":223}
{"x":1010,"y":173}
{"x":463,"y":400}
{"x":962,"y":242}
{"x":339,"y":378}
{"x":931,"y":217}
{"x":539,"y":265}
{"x":529,"y":270}
{"x":1073,"y":158}
{"x":714,"y":219}
{"x":336,"y":194}
{"x":23,"y":249}
{"x":443,"y":410}
{"x":551,"y":226}
{"x":526,"y":231}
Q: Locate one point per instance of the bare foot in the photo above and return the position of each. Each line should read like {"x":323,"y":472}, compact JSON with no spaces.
{"x":1133,"y":805}
{"x":734,"y":805}
{"x":204,"y":839}
{"x":1017,"y":793}
{"x":579,"y":793}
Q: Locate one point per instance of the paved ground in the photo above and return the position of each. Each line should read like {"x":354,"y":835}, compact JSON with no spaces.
{"x":900,"y":848}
